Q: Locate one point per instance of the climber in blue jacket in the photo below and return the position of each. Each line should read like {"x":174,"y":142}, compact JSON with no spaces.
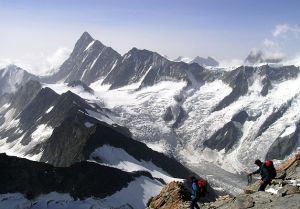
{"x":195,"y":193}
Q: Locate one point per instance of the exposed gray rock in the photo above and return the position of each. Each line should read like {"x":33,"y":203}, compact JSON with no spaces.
{"x":276,"y":75}
{"x":209,"y":61}
{"x":168,"y":116}
{"x":226,"y":137}
{"x":273,"y":117}
{"x":13,"y":77}
{"x":293,"y":172}
{"x":283,"y":146}
{"x":240,"y":117}
{"x":89,"y":61}
{"x":243,"y":202}
{"x":257,"y":200}
{"x":146,"y":67}
{"x":180,"y":118}
{"x":25,"y":95}
{"x":257,"y":57}
{"x":238,"y":80}
{"x":288,"y":190}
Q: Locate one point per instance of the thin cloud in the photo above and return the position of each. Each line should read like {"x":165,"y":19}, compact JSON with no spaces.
{"x":39,"y":64}
{"x":293,"y":61}
{"x":57,"y":58}
{"x":282,"y":29}
{"x":269,"y":43}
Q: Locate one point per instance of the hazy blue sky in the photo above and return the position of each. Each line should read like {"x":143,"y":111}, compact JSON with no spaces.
{"x":32,"y":31}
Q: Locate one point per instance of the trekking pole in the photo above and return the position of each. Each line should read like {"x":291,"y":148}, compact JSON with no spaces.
{"x":249,"y":179}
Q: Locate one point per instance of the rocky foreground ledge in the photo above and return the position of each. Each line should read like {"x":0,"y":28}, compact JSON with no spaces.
{"x":284,"y":193}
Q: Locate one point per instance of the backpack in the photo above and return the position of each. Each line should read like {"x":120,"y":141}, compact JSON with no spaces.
{"x":202,"y":185}
{"x":271,"y":169}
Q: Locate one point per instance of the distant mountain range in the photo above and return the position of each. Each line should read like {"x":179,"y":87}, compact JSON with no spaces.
{"x":258,"y":57}
{"x":104,"y":108}
{"x":205,"y":62}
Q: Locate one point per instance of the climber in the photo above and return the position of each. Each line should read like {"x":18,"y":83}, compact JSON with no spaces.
{"x":266,"y":171}
{"x":195,"y":193}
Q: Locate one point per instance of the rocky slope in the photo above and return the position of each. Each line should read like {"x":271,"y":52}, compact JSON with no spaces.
{"x":12,"y":77}
{"x":283,"y":193}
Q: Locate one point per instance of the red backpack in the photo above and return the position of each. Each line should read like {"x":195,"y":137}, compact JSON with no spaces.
{"x":271,"y":169}
{"x":202,"y":185}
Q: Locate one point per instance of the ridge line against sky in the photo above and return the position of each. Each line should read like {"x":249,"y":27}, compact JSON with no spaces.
{"x":41,"y":34}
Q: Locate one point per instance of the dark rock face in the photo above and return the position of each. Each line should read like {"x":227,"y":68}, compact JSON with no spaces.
{"x":240,"y":117}
{"x":279,"y":74}
{"x":31,"y":104}
{"x":168,"y":116}
{"x":256,"y":57}
{"x":238,"y":80}
{"x":147,"y":67}
{"x":25,"y":94}
{"x":5,"y":99}
{"x":89,"y":61}
{"x":81,"y":180}
{"x":272,"y":118}
{"x":18,"y":103}
{"x":209,"y":61}
{"x":228,"y":135}
{"x":67,"y":104}
{"x":12,"y":77}
{"x":37,"y":107}
{"x":283,"y":146}
{"x":266,"y":86}
{"x":241,"y":78}
{"x":66,"y":143}
{"x":276,"y":75}
{"x":180,"y":118}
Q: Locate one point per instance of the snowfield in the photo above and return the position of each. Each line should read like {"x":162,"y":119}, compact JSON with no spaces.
{"x":119,"y":158}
